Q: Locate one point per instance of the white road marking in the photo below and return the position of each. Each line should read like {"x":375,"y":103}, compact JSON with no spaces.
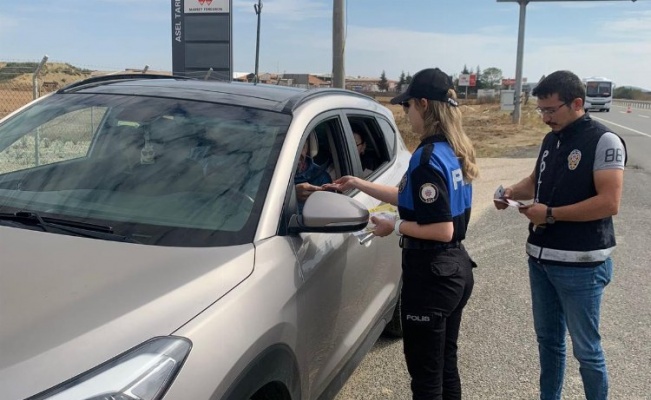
{"x":621,"y":126}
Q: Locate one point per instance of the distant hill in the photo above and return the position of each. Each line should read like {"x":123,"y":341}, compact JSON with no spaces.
{"x":632,"y":93}
{"x":53,"y":75}
{"x":21,"y":73}
{"x":636,"y":88}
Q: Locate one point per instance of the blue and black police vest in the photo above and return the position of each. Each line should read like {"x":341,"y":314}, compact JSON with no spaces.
{"x":436,"y":152}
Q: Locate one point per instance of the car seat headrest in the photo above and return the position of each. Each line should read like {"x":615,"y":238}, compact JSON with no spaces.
{"x":313,"y":144}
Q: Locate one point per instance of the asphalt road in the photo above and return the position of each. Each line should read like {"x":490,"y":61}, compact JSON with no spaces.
{"x":498,"y":351}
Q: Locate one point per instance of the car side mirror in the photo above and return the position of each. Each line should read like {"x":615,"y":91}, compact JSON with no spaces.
{"x":330,"y":212}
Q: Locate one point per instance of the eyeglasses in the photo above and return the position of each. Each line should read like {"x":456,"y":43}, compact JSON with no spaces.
{"x":405,"y":105}
{"x":549,"y":110}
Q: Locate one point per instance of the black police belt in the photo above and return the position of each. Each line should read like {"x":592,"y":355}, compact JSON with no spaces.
{"x":420,"y":244}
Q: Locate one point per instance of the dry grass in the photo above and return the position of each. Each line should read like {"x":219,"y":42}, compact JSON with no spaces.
{"x":491,"y":130}
{"x":63,"y":74}
{"x":12,"y":98}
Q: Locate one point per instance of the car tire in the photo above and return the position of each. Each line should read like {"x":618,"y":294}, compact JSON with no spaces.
{"x":394,"y":327}
{"x":271,"y":392}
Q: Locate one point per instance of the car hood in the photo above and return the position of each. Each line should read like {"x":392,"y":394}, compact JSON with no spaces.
{"x":69,"y":303}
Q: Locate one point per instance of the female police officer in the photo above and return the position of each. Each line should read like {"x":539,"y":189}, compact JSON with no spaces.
{"x":433,"y":199}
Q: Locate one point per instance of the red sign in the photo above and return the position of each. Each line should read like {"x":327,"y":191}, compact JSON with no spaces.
{"x":511,"y":81}
{"x":473,"y":80}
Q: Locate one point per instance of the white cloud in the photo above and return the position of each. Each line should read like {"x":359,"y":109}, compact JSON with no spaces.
{"x":634,"y":25}
{"x":625,"y":63}
{"x":405,"y":50}
{"x":369,"y":51}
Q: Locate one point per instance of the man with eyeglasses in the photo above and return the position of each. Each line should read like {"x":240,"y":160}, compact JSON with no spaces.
{"x":576,"y":187}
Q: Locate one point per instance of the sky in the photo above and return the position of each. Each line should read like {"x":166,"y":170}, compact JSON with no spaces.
{"x":591,"y":38}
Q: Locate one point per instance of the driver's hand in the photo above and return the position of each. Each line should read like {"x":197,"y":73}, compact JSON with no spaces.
{"x":304,"y":190}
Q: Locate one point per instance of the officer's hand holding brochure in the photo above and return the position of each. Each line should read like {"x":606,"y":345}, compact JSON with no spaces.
{"x":384,"y":210}
{"x":498,"y":197}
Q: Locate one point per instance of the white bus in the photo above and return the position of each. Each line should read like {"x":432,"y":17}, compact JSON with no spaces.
{"x":598,"y":93}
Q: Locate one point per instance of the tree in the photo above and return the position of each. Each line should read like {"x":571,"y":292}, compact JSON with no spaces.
{"x":401,"y":81}
{"x":383,"y":85}
{"x":465,"y":70}
{"x":491,"y":77}
{"x":479,"y":82}
{"x":408,"y":78}
{"x":626,"y":92}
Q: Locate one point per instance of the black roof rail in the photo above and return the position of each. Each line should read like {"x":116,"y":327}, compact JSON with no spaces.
{"x":296,"y":101}
{"x":94,"y":81}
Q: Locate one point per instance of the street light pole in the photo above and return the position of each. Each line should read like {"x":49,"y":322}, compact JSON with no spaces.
{"x":258,"y":11}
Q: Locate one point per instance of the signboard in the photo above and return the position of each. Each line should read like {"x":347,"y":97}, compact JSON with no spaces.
{"x":202,"y":38}
{"x":507,"y":100}
{"x":511,"y":81}
{"x":206,"y":6}
{"x":467,"y":80}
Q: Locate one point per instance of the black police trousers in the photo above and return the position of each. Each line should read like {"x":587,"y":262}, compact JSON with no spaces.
{"x":436,"y":287}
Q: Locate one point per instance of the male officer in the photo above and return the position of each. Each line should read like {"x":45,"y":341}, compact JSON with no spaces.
{"x":576,"y":186}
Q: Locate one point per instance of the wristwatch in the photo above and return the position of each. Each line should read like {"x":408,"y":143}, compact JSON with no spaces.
{"x":549,"y":219}
{"x":396,"y":227}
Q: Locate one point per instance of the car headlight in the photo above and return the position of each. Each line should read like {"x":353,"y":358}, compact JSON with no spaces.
{"x":142,"y":373}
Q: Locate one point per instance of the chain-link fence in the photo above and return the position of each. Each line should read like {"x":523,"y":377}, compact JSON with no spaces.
{"x":16,"y":87}
{"x":23,"y":81}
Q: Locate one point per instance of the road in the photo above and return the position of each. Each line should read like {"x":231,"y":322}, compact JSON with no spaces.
{"x":498,"y":351}
{"x":635,"y":128}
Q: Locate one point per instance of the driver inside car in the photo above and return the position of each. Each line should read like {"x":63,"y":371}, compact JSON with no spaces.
{"x":309,"y":177}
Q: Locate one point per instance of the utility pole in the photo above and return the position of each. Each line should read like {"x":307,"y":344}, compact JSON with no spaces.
{"x":518,"y":63}
{"x":338,"y":19}
{"x":258,"y":11}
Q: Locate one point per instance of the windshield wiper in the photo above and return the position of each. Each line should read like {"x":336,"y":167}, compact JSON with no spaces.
{"x":48,"y":224}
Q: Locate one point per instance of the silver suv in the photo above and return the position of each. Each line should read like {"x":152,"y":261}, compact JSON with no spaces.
{"x":154,"y":246}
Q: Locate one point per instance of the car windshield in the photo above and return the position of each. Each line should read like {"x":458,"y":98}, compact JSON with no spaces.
{"x":598,"y":89}
{"x":159,"y":171}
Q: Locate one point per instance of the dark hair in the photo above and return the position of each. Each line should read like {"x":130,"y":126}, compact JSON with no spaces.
{"x":566,"y":84}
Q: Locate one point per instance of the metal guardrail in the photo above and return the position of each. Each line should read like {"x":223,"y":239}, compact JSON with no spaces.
{"x":632,"y":103}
